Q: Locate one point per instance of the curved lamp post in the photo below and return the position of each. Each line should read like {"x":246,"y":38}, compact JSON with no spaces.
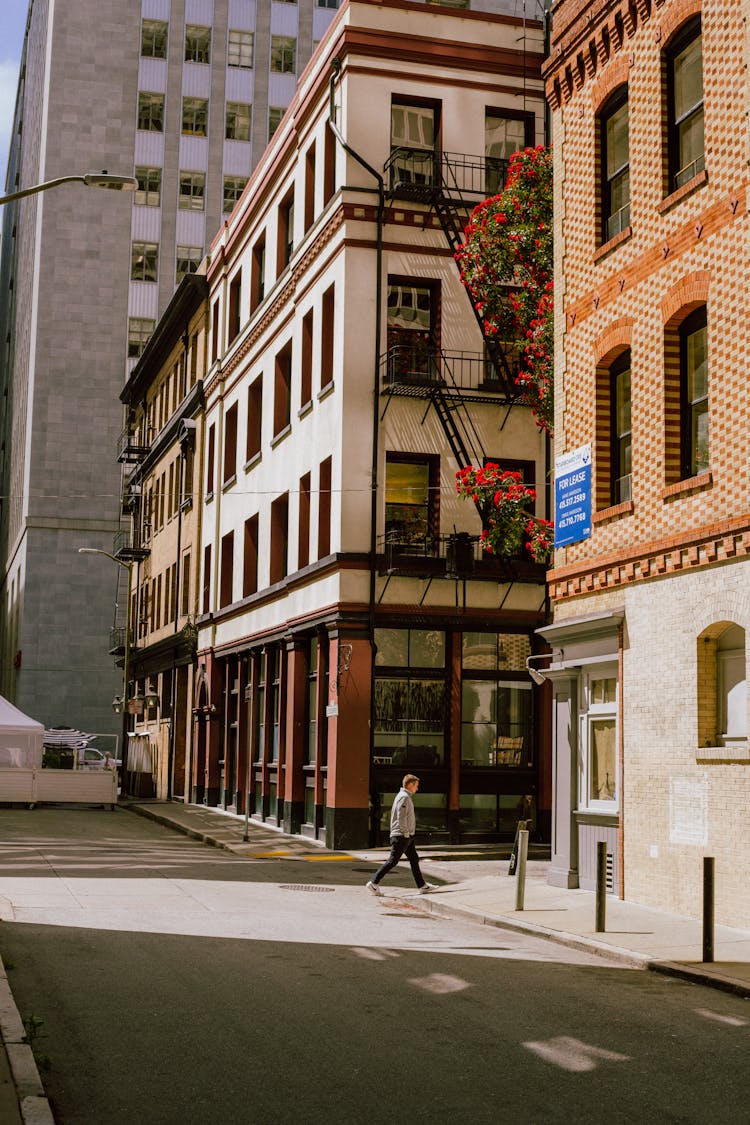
{"x":90,"y":179}
{"x":117,"y":703}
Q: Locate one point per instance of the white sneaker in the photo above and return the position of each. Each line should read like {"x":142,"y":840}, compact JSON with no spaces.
{"x":374,"y":889}
{"x":426,"y":888}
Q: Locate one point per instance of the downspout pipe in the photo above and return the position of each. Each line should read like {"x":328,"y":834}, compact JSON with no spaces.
{"x":336,"y":70}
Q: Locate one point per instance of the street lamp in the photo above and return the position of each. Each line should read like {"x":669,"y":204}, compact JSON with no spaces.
{"x":120,"y":703}
{"x":90,"y":179}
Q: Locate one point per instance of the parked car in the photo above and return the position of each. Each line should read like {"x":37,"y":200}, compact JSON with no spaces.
{"x":94,"y":759}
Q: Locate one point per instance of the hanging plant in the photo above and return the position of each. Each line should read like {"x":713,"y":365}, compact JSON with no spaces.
{"x":503,"y":501}
{"x":506,"y":265}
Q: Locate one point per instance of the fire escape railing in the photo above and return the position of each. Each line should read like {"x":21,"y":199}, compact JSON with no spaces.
{"x":453,"y":184}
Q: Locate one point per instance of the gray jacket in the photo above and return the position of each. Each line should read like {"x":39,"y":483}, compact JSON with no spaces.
{"x":403,"y":818}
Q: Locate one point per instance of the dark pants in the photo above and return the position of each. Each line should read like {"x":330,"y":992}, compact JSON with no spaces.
{"x":401,"y":845}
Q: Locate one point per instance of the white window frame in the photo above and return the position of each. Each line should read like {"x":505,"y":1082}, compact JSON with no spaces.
{"x":731,"y":672}
{"x":592,"y":711}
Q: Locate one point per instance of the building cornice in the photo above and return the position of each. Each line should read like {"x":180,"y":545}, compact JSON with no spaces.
{"x":721,"y":543}
{"x":585,"y":35}
{"x":189,"y":295}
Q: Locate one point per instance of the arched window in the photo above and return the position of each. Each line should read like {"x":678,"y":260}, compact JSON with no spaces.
{"x":722,"y":685}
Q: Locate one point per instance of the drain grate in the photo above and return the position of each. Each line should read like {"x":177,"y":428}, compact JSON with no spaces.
{"x":302,"y":887}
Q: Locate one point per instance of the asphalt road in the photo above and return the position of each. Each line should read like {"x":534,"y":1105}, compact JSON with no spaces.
{"x":180,"y":985}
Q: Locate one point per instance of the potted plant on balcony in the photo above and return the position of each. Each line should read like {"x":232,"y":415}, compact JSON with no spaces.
{"x":506,"y":265}
{"x":504,"y":503}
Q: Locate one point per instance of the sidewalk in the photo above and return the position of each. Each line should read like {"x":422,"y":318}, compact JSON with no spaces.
{"x":637,"y":935}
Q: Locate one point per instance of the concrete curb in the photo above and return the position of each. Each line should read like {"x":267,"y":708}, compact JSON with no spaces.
{"x":629,"y":957}
{"x":33,"y":1104}
{"x":433,"y":905}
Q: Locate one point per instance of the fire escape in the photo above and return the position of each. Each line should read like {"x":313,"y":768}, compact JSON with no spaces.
{"x":451,"y":184}
{"x":129,"y":546}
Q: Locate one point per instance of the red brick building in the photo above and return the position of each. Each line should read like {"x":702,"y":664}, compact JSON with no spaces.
{"x":649,"y":103}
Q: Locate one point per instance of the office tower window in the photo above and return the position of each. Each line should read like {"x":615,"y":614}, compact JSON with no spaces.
{"x":283,"y":54}
{"x":195,"y":117}
{"x":238,"y":121}
{"x":233,"y":189}
{"x":139,"y":332}
{"x":151,"y":112}
{"x":197,"y":44}
{"x":188,"y":260}
{"x":144,"y":261}
{"x":328,"y":4}
{"x":240,"y":49}
{"x":192,"y":191}
{"x":148,"y":193}
{"x":275,"y":114}
{"x":154,"y":39}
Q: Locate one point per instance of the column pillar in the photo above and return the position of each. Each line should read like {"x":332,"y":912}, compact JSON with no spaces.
{"x":349,"y":737}
{"x":563,"y":870}
{"x":294,"y":757}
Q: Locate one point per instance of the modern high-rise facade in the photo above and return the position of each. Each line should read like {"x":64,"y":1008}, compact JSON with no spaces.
{"x":184,"y":95}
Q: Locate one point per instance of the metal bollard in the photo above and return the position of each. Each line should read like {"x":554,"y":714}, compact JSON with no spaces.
{"x":708,"y":908}
{"x":523,"y":848}
{"x":601,"y":886}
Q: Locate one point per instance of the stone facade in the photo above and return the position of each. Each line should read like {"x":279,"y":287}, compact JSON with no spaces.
{"x":669,"y":555}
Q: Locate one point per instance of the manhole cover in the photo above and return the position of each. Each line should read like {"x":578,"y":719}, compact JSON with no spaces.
{"x":302,"y":887}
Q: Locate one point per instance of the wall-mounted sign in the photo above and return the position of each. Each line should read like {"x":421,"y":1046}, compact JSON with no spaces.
{"x":573,"y":496}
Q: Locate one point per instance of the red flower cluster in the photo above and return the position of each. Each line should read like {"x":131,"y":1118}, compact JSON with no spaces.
{"x":508,"y":242}
{"x":504,"y":502}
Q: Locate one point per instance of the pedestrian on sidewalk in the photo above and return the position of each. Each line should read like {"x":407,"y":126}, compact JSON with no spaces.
{"x":403,"y":830}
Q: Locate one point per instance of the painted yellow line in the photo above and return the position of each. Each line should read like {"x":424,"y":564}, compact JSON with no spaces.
{"x":326,"y":858}
{"x":270,"y":855}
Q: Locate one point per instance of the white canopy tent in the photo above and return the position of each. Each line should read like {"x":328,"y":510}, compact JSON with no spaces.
{"x":20,"y":738}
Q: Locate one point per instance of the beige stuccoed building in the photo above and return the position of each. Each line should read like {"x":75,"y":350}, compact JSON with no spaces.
{"x":349,"y":629}
{"x":161,"y":455}
{"x":651,"y":609}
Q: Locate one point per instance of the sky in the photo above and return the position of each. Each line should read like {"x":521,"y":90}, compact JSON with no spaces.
{"x":12,"y":27}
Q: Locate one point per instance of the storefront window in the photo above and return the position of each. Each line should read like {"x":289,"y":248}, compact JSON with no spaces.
{"x":410,"y":703}
{"x":598,"y":783}
{"x":275,"y":671}
{"x":430,"y":809}
{"x":495,"y":652}
{"x":496,"y":723}
{"x":494,"y":813}
{"x":260,"y":720}
{"x":312,"y":702}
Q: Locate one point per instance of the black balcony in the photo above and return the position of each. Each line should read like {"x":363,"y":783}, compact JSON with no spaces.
{"x":455,"y":557}
{"x":128,"y":549}
{"x":419,"y":174}
{"x":416,"y":370}
{"x":131,"y":447}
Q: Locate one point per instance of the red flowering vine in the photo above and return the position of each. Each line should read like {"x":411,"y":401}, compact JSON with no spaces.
{"x":504,"y":502}
{"x":506,"y":265}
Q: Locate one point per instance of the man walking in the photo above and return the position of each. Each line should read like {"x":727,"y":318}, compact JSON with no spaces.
{"x":403,"y":830}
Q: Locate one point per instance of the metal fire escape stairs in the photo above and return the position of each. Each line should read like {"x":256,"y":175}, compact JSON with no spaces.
{"x":452,"y":185}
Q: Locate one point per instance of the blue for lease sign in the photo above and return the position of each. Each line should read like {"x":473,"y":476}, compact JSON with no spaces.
{"x":573,"y":496}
